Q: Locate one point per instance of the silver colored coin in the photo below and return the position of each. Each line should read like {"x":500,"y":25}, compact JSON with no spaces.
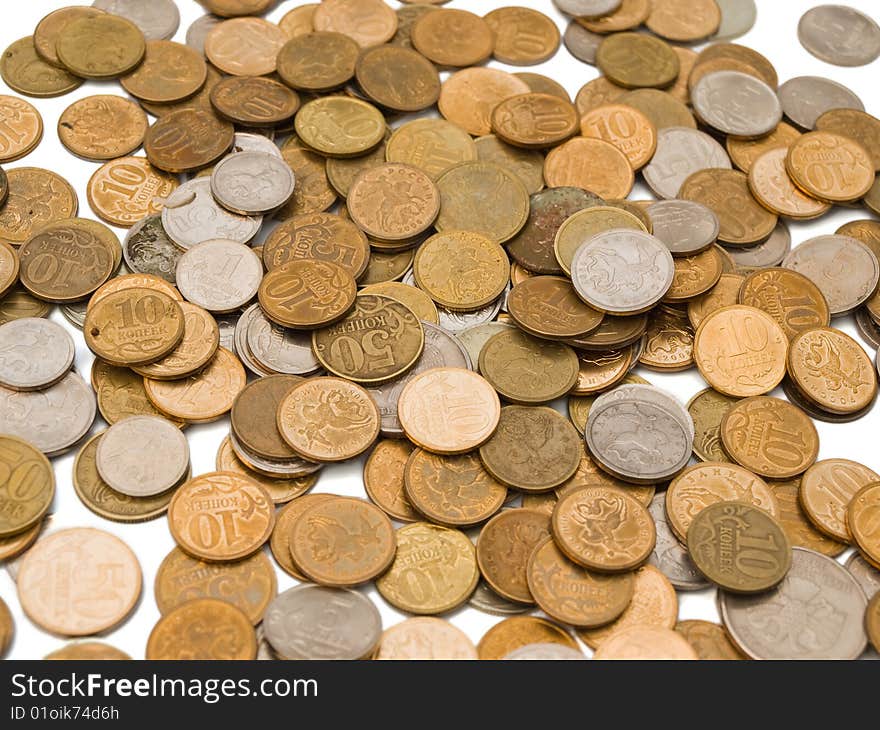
{"x":806,"y":98}
{"x":147,"y":249}
{"x":737,"y":18}
{"x":640,"y":440}
{"x":488,"y":601}
{"x":241,"y":348}
{"x":587,"y":8}
{"x":285,"y":469}
{"x":226,"y":324}
{"x":474,"y":338}
{"x":681,"y":152}
{"x":157,"y":19}
{"x":34,"y":353}
{"x":866,"y":575}
{"x":314,"y":622}
{"x":684,"y":226}
{"x":769,"y":253}
{"x":199,"y":29}
{"x":816,"y":612}
{"x":670,"y":557}
{"x":867,"y":327}
{"x":845,"y":270}
{"x":53,"y":419}
{"x":546,"y":652}
{"x":441,"y":350}
{"x":622,"y":271}
{"x":839,"y":35}
{"x":582,"y":43}
{"x":254,"y":142}
{"x":650,"y":393}
{"x":737,"y":104}
{"x":142,"y":456}
{"x":252,"y":183}
{"x":219,"y":275}
{"x":191,"y":215}
{"x":75,"y":313}
{"x":279,"y":349}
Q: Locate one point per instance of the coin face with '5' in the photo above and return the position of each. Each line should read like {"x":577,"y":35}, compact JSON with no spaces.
{"x":739,"y":547}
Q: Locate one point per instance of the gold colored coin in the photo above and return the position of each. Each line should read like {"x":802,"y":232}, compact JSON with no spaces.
{"x":828,"y":488}
{"x":773,"y":188}
{"x":368,"y":22}
{"x":340,"y":126}
{"x":280,"y":490}
{"x":647,"y":643}
{"x":522,"y":36}
{"x":37,"y":198}
{"x":22,"y":128}
{"x":724,"y":294}
{"x":279,"y":542}
{"x":548,"y":306}
{"x":410,"y":296}
{"x":830,"y":167}
{"x":125,"y":190}
{"x":660,"y":107}
{"x":49,"y":28}
{"x":626,"y":128}
{"x":534,"y":120}
{"x":516,"y":631}
{"x":597,"y":92}
{"x":201,"y":338}
{"x":792,"y":299}
{"x":695,"y":275}
{"x":26,"y":72}
{"x":245,"y":46}
{"x":800,"y":531}
{"x":432,"y":145}
{"x":384,"y":479}
{"x":444,"y":557}
{"x":710,"y":641}
{"x":636,"y":60}
{"x":307,"y":294}
{"x":120,"y":392}
{"x":468,"y":97}
{"x":87,"y":651}
{"x":27,"y":486}
{"x":135,"y":281}
{"x":102,"y":46}
{"x":205,"y":629}
{"x":453,"y":38}
{"x":669,"y":341}
{"x":169,"y":72}
{"x":743,"y":152}
{"x":591,"y":164}
{"x":856,"y":125}
{"x":861,"y":520}
{"x":527,"y":165}
{"x":503,"y":549}
{"x":102,"y":127}
{"x":707,"y":409}
{"x":590,"y":475}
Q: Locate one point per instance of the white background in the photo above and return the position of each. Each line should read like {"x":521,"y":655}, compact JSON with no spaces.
{"x":774,"y":35}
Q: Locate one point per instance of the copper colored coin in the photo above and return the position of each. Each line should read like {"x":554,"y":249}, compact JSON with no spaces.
{"x":449,"y":410}
{"x":591,"y":164}
{"x":425,"y":638}
{"x":522,"y":36}
{"x":857,"y":125}
{"x":393,"y":202}
{"x":384,"y":479}
{"x":821,"y":360}
{"x":102,"y":46}
{"x":328,"y":419}
{"x":726,"y":192}
{"x":36,"y":199}
{"x":770,"y":437}
{"x":865,"y":230}
{"x":794,"y":301}
{"x":203,"y":397}
{"x":321,"y":237}
{"x":453,"y":38}
{"x":773,"y":188}
{"x":221,"y":516}
{"x":660,"y":107}
{"x":201,"y":338}
{"x":744,"y":152}
{"x":468,"y":97}
{"x":528,"y":165}
{"x":318,"y":61}
{"x":535,"y":120}
{"x":452,"y":490}
{"x":245,"y":46}
{"x":203,"y":629}
{"x":87,"y":651}
{"x":432,"y":145}
{"x":120,"y":393}
{"x":22,"y":128}
{"x":134,"y":327}
{"x":340,"y":126}
{"x":710,"y":641}
{"x":597,"y":92}
{"x":580,"y":521}
{"x":307,"y":294}
{"x":281,"y":489}
{"x":745,"y":55}
{"x":368,"y":22}
{"x":861,"y":520}
{"x":548,"y":306}
{"x":872,"y":622}
{"x":635,"y":60}
{"x":685,"y":21}
{"x":125,"y":190}
{"x":741,"y":351}
{"x":519,"y":631}
{"x":645,"y":642}
{"x":279,"y":543}
{"x":830,"y":167}
{"x":102,"y":127}
{"x":7,"y":627}
{"x":9,"y":268}
{"x":62,"y":584}
{"x":170,"y":72}
{"x":626,"y":128}
{"x":669,"y":343}
{"x":342,"y":542}
{"x":253,"y":430}
{"x":350,"y":347}
{"x":187,"y":140}
{"x":312,"y":192}
{"x":398,"y":78}
{"x":254,"y":101}
{"x":49,"y":28}
{"x":135,"y":281}
{"x":828,"y":488}
{"x":27,"y":486}
{"x":800,"y":530}
{"x":707,"y":408}
{"x":695,"y":275}
{"x":25,"y":72}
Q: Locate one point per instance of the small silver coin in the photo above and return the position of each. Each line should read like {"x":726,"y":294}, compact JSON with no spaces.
{"x":582,"y":43}
{"x":686,"y":227}
{"x":227,"y":323}
{"x":279,"y":349}
{"x":254,"y":142}
{"x":682,"y":151}
{"x":284,"y":469}
{"x":817,"y":612}
{"x":241,"y":345}
{"x":867,"y":576}
{"x":142,"y":456}
{"x":845,"y":270}
{"x":737,"y":18}
{"x":199,"y":29}
{"x":473,"y":338}
{"x":839,"y":35}
{"x":219,"y":275}
{"x":587,"y":8}
{"x":441,"y":350}
{"x":53,"y":419}
{"x":252,"y":183}
{"x":622,"y":271}
{"x":546,"y":652}
{"x":314,"y":622}
{"x":34,"y":353}
{"x":806,"y":98}
{"x":662,"y":398}
{"x":769,"y":253}
{"x":75,"y":313}
{"x":157,"y":19}
{"x":737,"y":104}
{"x":868,"y":328}
{"x":670,"y":557}
{"x":191,"y":215}
{"x":488,"y":601}
{"x":147,"y":249}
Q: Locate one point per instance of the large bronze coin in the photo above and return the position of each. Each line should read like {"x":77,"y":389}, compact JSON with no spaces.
{"x":792,"y":299}
{"x":102,"y":127}
{"x":252,"y":428}
{"x":548,"y":306}
{"x":340,"y":126}
{"x":126,"y":190}
{"x":318,"y":61}
{"x":227,"y":633}
{"x":828,"y":488}
{"x":861,"y":519}
{"x":27,"y":486}
{"x":398,"y":78}
{"x":187,"y":140}
{"x":321,"y":237}
{"x":245,"y":46}
{"x":829,"y":167}
{"x":503,"y":549}
{"x":535,"y":121}
{"x":453,"y":38}
{"x":27,"y":73}
{"x":636,"y":60}
{"x":101,"y":46}
{"x":592,"y":164}
{"x":307,"y":294}
{"x":36,"y":199}
{"x":519,"y":631}
{"x":800,"y":530}
{"x":254,"y":101}
{"x":169,"y":72}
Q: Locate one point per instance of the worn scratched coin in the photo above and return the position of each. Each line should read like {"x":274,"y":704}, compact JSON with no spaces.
{"x":37,"y":198}
{"x":314,"y":622}
{"x":844,"y":269}
{"x":24,"y":71}
{"x":814,"y":580}
{"x":34,"y":354}
{"x":828,"y":488}
{"x":22,"y":130}
{"x":102,"y":127}
{"x":431,"y":145}
{"x":252,"y":183}
{"x":635,"y":61}
{"x":839,"y":35}
{"x":254,"y":101}
{"x":191,"y":216}
{"x":318,"y":61}
{"x":444,"y":554}
{"x":147,"y":249}
{"x":503,"y":549}
{"x":806,"y":98}
{"x":398,"y":78}
{"x":681,"y":152}
{"x":219,"y":275}
{"x":468,"y":97}
{"x":27,"y":486}
{"x":203,"y":629}
{"x":736,"y":104}
{"x":126,"y":456}
{"x":548,"y":306}
{"x":318,"y":236}
{"x":187,"y":140}
{"x":686,"y":227}
{"x":48,"y":29}
{"x":169,"y":73}
{"x":622,"y":272}
{"x":797,"y":526}
{"x":707,"y":409}
{"x":101,"y":46}
{"x":670,"y":557}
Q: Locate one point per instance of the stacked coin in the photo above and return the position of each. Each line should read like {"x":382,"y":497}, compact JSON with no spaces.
{"x":423,"y":291}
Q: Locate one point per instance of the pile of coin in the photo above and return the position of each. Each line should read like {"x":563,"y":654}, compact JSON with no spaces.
{"x":423,"y":289}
